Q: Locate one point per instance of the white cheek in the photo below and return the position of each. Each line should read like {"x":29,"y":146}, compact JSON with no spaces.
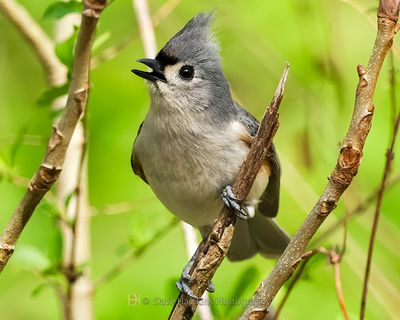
{"x":179,"y":93}
{"x":172,"y":75}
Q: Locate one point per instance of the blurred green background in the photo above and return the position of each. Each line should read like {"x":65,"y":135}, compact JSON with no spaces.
{"x":323,"y":40}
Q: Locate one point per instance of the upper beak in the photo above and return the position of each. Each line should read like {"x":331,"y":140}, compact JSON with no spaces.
{"x":153,"y":76}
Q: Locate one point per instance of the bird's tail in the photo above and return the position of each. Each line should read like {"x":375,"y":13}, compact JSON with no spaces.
{"x":258,"y":234}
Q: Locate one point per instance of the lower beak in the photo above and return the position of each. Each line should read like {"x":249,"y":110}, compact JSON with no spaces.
{"x":155,"y":75}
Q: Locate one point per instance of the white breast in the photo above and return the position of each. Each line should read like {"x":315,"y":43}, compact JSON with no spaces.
{"x":187,"y":166}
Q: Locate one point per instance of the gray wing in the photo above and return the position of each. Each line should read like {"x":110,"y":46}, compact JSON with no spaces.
{"x":135,"y":164}
{"x":269,"y":204}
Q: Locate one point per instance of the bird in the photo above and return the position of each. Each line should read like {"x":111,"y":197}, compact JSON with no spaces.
{"x":193,"y":140}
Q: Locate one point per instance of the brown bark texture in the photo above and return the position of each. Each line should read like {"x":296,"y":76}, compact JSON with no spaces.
{"x":214,"y":249}
{"x":346,"y":168}
{"x":60,"y":138}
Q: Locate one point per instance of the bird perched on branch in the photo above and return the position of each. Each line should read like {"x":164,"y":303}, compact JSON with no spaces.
{"x":193,"y":140}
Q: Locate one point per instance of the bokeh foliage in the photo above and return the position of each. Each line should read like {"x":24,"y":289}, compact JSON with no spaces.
{"x":322,"y":40}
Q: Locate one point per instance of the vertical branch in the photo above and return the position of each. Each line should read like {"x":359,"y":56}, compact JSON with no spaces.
{"x":204,"y":310}
{"x":72,"y":189}
{"x":335,"y":261}
{"x":68,"y":182}
{"x":386,"y":173}
{"x":82,"y":287}
{"x":392,"y":82}
{"x":347,"y":165}
{"x":75,"y":227}
{"x":145,"y":27}
{"x":51,"y":166}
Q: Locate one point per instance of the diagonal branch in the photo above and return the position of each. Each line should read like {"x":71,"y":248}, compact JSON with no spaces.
{"x":216,"y":246}
{"x":357,"y":211}
{"x":55,"y":71}
{"x":382,"y":189}
{"x":51,"y":166}
{"x":346,"y":168}
{"x":76,"y":300}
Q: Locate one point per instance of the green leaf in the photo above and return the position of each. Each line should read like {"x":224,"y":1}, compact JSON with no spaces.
{"x":30,"y":258}
{"x":65,"y":50}
{"x":37,"y":290}
{"x":50,"y":94}
{"x":60,"y":9}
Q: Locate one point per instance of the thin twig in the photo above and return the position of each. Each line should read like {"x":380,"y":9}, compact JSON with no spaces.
{"x":347,"y":165}
{"x":334,"y":258}
{"x":392,"y":82}
{"x":335,"y":261}
{"x":374,"y":229}
{"x":72,"y":196}
{"x":357,"y":211}
{"x":55,"y":71}
{"x":204,"y":310}
{"x":146,"y":29}
{"x":293,"y":282}
{"x":216,"y":246}
{"x":51,"y":166}
{"x":164,"y":11}
{"x":72,"y":299}
{"x":75,"y":266}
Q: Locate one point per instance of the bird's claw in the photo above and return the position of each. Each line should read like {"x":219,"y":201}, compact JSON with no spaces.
{"x":183,"y":286}
{"x":232,"y":202}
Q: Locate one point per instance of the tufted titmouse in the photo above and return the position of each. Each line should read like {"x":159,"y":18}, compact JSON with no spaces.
{"x":195,"y":137}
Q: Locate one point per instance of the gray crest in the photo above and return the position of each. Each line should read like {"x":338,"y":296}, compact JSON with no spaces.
{"x":194,"y":42}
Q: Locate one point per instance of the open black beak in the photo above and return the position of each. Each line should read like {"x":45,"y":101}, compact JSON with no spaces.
{"x":153,"y":76}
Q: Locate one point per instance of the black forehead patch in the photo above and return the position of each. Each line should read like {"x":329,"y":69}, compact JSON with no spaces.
{"x":166,"y":59}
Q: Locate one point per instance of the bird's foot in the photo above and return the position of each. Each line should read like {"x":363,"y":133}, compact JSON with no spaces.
{"x":232,"y":202}
{"x":183,"y":286}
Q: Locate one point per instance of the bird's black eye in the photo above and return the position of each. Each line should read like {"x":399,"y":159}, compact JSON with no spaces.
{"x":186,"y":73}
